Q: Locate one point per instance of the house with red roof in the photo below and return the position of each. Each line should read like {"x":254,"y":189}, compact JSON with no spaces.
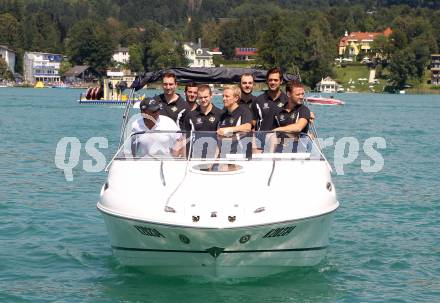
{"x":357,"y":42}
{"x":245,"y":53}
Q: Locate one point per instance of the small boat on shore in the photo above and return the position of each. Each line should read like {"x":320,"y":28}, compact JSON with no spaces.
{"x":324,"y":100}
{"x":39,"y":84}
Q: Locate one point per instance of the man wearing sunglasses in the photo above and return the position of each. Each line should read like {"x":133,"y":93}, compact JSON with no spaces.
{"x":155,"y":134}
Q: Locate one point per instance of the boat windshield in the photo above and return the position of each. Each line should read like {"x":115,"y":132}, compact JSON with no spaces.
{"x":165,"y":145}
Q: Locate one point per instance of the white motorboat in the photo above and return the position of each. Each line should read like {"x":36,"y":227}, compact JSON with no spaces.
{"x":224,"y":214}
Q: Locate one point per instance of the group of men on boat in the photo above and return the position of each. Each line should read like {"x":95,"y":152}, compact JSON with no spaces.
{"x":272,"y":111}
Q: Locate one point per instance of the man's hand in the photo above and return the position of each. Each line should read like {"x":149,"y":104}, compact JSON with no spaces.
{"x":225,"y":131}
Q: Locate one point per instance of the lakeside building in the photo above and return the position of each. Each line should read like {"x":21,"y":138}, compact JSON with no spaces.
{"x":328,"y":85}
{"x":435,"y":69}
{"x":8,"y":55}
{"x":121,"y":55}
{"x":44,"y":67}
{"x":354,"y":43}
{"x":198,"y":56}
{"x":81,"y":74}
{"x":245,"y":53}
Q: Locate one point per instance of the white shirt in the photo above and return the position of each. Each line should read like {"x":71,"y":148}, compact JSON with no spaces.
{"x":155,"y":143}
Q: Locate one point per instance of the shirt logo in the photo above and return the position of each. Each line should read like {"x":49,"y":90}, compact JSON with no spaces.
{"x":211,"y":119}
{"x":199,"y":121}
{"x":231,"y":120}
{"x":280,"y":104}
{"x":265,"y":105}
{"x":174,"y":108}
{"x":282,"y":117}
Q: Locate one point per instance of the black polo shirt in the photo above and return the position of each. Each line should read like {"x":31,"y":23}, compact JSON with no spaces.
{"x":247,"y":100}
{"x":198,"y":121}
{"x":176,"y":110}
{"x":286,"y":117}
{"x":238,"y":117}
{"x":264,"y":110}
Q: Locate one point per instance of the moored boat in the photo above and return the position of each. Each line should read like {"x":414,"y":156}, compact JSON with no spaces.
{"x":324,"y":100}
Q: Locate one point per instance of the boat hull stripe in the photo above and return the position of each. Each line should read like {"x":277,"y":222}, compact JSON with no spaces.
{"x":223,"y":252}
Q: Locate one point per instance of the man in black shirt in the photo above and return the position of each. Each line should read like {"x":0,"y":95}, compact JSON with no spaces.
{"x":172,"y":104}
{"x":234,"y":119}
{"x":293,"y":118}
{"x":204,"y":121}
{"x":246,"y":87}
{"x":268,"y":104}
{"x":191,"y":95}
{"x":206,"y":116}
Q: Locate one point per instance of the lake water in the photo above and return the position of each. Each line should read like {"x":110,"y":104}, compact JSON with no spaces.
{"x":384,"y":245}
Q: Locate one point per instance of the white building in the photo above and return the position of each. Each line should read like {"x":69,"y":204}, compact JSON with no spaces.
{"x":328,"y":85}
{"x":9,"y":56}
{"x":43,"y":67}
{"x":121,"y":55}
{"x":198,"y":56}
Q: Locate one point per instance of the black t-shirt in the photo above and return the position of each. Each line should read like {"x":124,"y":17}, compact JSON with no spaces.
{"x":264,"y":110}
{"x":238,"y":117}
{"x":198,"y":121}
{"x":285,"y":117}
{"x":176,"y":110}
{"x":247,"y":100}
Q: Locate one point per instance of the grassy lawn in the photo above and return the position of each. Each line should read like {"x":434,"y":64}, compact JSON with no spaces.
{"x":349,"y":77}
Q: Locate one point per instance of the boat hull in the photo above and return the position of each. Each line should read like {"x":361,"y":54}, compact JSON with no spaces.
{"x":324,"y":101}
{"x":219,"y":252}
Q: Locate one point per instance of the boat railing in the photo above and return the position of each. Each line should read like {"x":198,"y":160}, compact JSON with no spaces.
{"x":201,"y":146}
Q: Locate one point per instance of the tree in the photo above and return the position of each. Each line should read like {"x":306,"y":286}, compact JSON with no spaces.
{"x":402,"y":67}
{"x":64,"y":67}
{"x":10,"y":31}
{"x":89,"y":44}
{"x":319,"y":53}
{"x":136,"y":54}
{"x":281,"y":44}
{"x":166,"y":53}
{"x":151,"y":32}
{"x":5,"y":73}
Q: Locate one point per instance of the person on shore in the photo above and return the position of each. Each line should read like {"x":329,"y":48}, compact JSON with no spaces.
{"x":268,"y":104}
{"x":172,"y":104}
{"x":147,"y":142}
{"x":293,"y":119}
{"x":191,"y":95}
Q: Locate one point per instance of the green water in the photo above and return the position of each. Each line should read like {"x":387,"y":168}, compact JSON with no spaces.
{"x":384,"y":246}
